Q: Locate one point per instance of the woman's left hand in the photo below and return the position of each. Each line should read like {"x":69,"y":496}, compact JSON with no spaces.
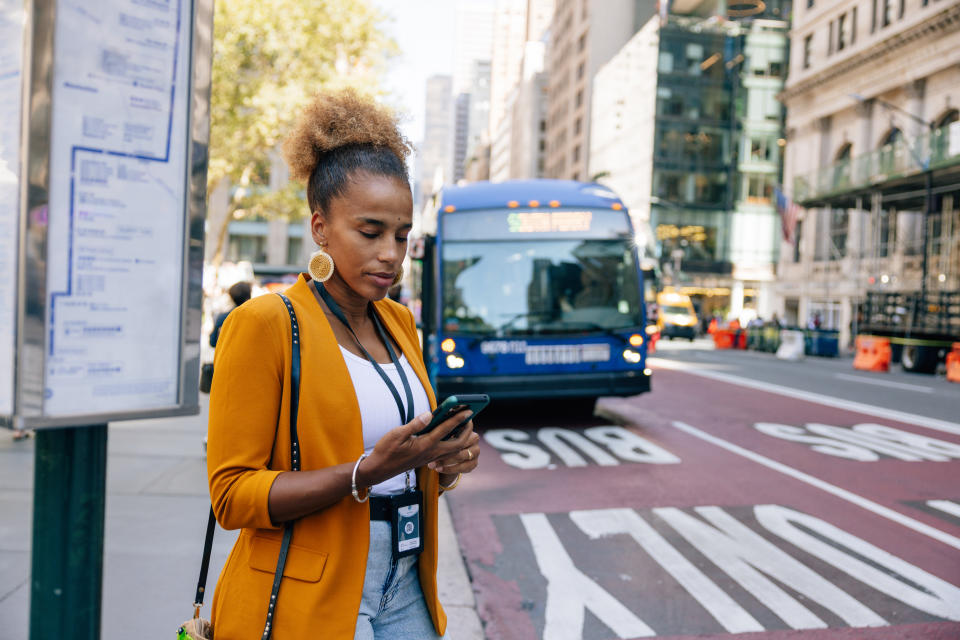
{"x":462,"y":461}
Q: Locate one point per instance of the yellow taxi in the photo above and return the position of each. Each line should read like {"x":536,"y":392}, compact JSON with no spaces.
{"x":676,"y":317}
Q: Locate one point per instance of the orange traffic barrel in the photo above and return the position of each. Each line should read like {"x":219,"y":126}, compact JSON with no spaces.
{"x":953,"y":363}
{"x":873,"y":354}
{"x":723,"y":339}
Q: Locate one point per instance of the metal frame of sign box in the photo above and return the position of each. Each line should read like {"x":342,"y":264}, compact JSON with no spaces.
{"x":30,"y":329}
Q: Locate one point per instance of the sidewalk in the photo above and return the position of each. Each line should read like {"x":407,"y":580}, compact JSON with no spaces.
{"x":156,"y":514}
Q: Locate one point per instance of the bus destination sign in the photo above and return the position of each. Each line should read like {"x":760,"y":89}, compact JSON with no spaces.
{"x":549,"y":221}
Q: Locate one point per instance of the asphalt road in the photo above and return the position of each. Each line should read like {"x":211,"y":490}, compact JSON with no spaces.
{"x":743,"y":497}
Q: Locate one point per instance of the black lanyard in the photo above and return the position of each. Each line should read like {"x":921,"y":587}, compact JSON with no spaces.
{"x":406,"y":415}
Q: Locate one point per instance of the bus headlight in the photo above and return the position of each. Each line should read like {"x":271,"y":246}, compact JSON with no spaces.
{"x":648,"y":372}
{"x":448,"y":345}
{"x":652,"y":329}
{"x":636,"y":340}
{"x":454,"y":361}
{"x":631,"y":356}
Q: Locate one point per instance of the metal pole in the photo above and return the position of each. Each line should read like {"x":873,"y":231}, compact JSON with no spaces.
{"x":69,"y":496}
{"x":927,"y":210}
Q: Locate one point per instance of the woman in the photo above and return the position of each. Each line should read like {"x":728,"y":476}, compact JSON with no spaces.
{"x":345,"y":576}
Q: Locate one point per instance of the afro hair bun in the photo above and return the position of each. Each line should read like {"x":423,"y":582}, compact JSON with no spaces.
{"x":337,"y":119}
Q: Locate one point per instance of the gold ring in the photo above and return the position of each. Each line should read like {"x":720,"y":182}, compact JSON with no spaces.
{"x":469,"y":455}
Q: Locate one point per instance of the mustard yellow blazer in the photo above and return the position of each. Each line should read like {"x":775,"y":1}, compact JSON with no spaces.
{"x":249,"y":445}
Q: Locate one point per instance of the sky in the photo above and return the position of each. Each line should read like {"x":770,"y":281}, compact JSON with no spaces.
{"x":423,"y":30}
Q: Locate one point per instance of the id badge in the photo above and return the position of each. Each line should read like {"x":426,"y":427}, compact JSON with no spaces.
{"x":406,"y":519}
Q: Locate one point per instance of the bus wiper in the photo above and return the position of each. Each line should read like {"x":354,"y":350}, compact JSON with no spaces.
{"x":521,"y":316}
{"x":593,"y":326}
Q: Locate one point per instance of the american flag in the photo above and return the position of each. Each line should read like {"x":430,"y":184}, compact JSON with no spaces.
{"x":789,"y":212}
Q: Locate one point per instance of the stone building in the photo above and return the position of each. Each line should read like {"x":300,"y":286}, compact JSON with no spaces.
{"x":872,"y":155}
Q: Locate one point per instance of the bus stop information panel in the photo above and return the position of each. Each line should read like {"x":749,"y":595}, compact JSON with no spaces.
{"x":109,"y":231}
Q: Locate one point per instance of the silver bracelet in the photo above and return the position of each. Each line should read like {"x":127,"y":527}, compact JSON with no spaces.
{"x":353,"y":482}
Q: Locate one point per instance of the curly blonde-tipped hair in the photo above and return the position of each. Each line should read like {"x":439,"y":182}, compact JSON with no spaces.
{"x":336,"y":120}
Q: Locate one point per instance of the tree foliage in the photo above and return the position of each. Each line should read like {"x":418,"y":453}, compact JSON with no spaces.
{"x":269,"y":57}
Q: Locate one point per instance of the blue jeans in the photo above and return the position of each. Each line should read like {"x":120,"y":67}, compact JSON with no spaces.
{"x":392,"y":607}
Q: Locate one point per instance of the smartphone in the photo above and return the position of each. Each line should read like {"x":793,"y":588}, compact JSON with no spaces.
{"x":453,"y":405}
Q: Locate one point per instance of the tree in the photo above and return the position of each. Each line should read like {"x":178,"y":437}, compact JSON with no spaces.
{"x":269,"y":57}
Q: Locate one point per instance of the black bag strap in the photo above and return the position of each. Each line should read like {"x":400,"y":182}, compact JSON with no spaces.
{"x":294,"y":459}
{"x":294,"y":465}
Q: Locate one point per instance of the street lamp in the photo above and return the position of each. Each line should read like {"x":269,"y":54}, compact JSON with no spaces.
{"x":928,"y":180}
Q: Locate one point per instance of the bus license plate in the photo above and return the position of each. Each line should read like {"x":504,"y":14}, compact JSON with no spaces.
{"x":566,"y":353}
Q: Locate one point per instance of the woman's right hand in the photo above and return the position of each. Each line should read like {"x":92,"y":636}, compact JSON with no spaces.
{"x":401,"y":449}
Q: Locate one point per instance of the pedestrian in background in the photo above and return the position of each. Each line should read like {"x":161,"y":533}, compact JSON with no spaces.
{"x":347,"y":574}
{"x":239,"y":293}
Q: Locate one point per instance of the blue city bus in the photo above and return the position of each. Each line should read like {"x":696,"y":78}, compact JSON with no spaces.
{"x":530,"y":288}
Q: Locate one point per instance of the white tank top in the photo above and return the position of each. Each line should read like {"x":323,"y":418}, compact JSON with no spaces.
{"x":378,"y":409}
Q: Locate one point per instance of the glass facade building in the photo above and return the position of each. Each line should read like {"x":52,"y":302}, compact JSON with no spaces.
{"x":718,"y":143}
{"x":695,"y":146}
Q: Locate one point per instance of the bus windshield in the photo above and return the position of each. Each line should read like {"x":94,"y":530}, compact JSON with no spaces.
{"x":534,"y":286}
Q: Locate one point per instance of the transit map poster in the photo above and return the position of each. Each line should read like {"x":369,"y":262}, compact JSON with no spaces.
{"x":117,"y":213}
{"x":11,"y":44}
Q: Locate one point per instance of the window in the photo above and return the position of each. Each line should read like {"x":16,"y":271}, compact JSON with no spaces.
{"x":760,"y":149}
{"x":577,"y":124}
{"x":807,"y":47}
{"x":579,"y":71}
{"x":839,"y":224}
{"x":809,"y":4}
{"x":873,"y":16}
{"x":576,"y":153}
{"x":886,"y":16}
{"x":853,"y":26}
{"x":797,"y":235}
{"x":887,"y":233}
{"x":830,"y":40}
{"x":579,"y":100}
{"x":294,"y":247}
{"x":759,"y":189}
{"x":842,"y":32}
{"x":582,"y":42}
{"x":903,"y":8}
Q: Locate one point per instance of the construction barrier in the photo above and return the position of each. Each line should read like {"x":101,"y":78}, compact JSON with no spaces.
{"x":652,"y":342}
{"x":953,"y":363}
{"x":873,"y":354}
{"x":723,"y":339}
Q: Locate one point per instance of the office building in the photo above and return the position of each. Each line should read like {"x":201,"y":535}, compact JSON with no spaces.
{"x":583,"y":36}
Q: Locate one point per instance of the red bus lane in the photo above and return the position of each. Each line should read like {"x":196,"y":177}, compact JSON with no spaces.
{"x":739,"y":512}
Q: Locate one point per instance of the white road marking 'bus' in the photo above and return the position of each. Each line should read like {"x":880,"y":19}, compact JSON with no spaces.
{"x":748,"y":558}
{"x":517,"y":450}
{"x":946,"y":506}
{"x":809,"y":396}
{"x":884,"y":383}
{"x":598,"y":523}
{"x":843,"y":494}
{"x":570,"y":592}
{"x":557,"y":440}
{"x":863,"y":442}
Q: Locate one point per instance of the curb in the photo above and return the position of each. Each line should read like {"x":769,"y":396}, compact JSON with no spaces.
{"x":453,"y":583}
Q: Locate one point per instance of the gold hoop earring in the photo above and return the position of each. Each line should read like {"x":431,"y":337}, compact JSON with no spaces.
{"x":320,"y":265}
{"x":397,"y":278}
